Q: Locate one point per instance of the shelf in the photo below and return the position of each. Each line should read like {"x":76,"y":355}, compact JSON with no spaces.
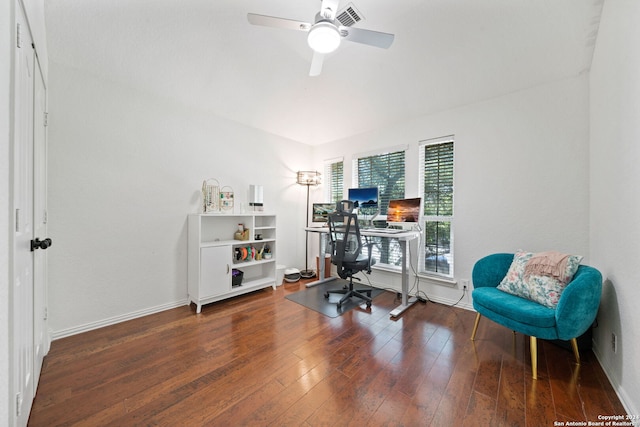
{"x":254,"y":262}
{"x":251,"y":242}
{"x":234,"y":242}
{"x":228,"y":214}
{"x":255,"y":283}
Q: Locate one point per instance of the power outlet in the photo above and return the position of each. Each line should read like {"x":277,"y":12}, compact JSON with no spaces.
{"x":614,"y":342}
{"x":465,"y":284}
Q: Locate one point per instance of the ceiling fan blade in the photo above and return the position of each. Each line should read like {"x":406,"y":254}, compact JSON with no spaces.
{"x":329,"y":9}
{"x":271,"y":21}
{"x":316,"y":64}
{"x":372,"y":38}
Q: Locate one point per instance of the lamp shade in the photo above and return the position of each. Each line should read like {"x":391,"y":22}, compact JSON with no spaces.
{"x":308,"y":178}
{"x":324,"y":37}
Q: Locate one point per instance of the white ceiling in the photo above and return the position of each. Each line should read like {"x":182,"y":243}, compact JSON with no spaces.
{"x":204,"y":53}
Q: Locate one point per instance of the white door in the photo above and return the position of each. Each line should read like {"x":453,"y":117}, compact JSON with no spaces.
{"x":22,"y":325}
{"x":40,"y":329}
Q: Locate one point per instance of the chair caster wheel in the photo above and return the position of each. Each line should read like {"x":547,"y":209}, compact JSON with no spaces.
{"x":326,"y":295}
{"x":339,"y":305}
{"x":368,"y":305}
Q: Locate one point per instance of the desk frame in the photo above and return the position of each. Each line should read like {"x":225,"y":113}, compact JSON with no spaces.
{"x":404,"y":237}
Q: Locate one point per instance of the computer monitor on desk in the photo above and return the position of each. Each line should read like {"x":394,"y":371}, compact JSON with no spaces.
{"x":321,"y":212}
{"x":365,"y":202}
{"x":404,"y":212}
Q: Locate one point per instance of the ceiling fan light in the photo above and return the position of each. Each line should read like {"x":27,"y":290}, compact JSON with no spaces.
{"x":324,"y":37}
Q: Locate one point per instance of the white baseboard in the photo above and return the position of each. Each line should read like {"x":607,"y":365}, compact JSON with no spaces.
{"x":436,"y":299}
{"x":113,"y":320}
{"x":625,"y":399}
{"x":450,"y":302}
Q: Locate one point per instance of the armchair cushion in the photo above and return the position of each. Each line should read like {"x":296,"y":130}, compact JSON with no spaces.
{"x":515,"y":313}
{"x":541,"y":288}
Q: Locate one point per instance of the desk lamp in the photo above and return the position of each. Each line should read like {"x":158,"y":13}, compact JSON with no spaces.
{"x":307,"y":178}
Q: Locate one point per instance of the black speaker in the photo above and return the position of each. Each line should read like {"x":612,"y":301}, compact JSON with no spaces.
{"x":256,"y":197}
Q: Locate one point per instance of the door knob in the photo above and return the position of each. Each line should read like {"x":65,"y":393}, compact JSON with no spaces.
{"x":40,"y":244}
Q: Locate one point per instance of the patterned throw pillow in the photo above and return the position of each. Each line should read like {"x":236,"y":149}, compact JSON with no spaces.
{"x":545,"y":290}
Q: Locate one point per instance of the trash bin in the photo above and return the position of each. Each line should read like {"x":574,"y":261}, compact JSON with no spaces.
{"x":280,"y":274}
{"x":327,"y":266}
{"x":236,"y":277}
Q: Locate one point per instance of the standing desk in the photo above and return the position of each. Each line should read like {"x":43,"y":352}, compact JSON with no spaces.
{"x":404,"y":237}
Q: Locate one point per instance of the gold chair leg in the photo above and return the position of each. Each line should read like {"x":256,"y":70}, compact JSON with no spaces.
{"x":534,"y":357}
{"x":475,"y":327}
{"x":576,"y":353}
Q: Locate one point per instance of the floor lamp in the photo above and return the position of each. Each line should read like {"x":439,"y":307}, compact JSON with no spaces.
{"x":307,"y":178}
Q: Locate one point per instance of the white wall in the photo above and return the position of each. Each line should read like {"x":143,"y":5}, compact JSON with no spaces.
{"x":125,"y":170}
{"x":615,"y":205}
{"x":521,"y":173}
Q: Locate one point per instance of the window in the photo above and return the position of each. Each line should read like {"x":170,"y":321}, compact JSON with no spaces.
{"x":436,"y":187}
{"x":334,"y":180}
{"x":385,"y":171}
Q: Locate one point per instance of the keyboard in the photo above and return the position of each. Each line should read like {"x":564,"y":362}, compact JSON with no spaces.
{"x":385,"y":230}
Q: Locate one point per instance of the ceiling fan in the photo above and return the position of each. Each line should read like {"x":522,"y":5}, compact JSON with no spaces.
{"x":325,"y":33}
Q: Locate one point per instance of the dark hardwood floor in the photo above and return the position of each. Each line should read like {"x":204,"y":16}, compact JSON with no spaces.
{"x":260,"y":360}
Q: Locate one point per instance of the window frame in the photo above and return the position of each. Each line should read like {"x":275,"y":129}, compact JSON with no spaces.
{"x":388,"y":243}
{"x":332,"y":184}
{"x":427,"y":217}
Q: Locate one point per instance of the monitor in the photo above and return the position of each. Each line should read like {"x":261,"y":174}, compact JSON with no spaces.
{"x":404,"y":210}
{"x":321,"y":211}
{"x":364,"y":198}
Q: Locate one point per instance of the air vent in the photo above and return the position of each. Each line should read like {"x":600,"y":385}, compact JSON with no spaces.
{"x":349,"y":15}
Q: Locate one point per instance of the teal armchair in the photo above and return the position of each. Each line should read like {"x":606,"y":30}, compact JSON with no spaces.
{"x":574,"y":314}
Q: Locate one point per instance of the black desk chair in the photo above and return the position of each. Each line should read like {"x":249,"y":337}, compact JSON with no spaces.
{"x":346,"y":251}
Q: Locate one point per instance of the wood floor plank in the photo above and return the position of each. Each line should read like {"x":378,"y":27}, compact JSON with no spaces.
{"x":481,"y":412}
{"x":427,"y":397}
{"x":539,"y":405}
{"x":260,"y":359}
{"x":456,"y":397}
{"x":388,"y":413}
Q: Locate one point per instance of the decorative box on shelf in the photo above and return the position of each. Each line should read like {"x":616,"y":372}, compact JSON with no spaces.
{"x":242,"y":235}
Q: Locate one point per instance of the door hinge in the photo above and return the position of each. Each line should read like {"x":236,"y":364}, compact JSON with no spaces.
{"x":17,"y":220}
{"x":45,"y":217}
{"x":18,"y":36}
{"x":18,"y":404}
{"x":46,"y":314}
{"x":46,"y":119}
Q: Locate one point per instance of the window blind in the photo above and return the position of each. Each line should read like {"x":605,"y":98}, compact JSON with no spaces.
{"x":334,"y":180}
{"x":438,"y":179}
{"x":385,"y":171}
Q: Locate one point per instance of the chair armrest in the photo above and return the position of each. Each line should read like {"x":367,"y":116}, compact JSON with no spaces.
{"x":579,"y":302}
{"x":490,"y":270}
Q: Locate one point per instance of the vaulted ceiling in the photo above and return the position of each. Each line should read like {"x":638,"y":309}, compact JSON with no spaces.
{"x":204,"y":53}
